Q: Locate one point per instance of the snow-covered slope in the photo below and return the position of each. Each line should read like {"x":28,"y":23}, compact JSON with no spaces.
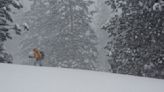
{"x":18,"y":78}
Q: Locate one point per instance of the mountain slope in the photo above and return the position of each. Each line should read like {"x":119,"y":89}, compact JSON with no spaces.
{"x":17,"y":78}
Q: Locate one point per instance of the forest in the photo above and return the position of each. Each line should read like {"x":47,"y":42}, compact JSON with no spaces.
{"x":118,"y":36}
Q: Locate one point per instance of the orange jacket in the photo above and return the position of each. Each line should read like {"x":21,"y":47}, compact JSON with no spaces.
{"x":37,"y":54}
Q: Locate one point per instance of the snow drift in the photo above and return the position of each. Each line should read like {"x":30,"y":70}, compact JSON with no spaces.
{"x":18,"y":78}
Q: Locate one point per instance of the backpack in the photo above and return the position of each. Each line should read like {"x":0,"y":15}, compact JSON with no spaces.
{"x":42,"y":54}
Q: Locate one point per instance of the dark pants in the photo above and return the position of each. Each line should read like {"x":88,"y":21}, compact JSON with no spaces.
{"x":39,"y":62}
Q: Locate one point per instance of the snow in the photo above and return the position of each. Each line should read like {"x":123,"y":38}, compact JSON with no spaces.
{"x":19,"y":78}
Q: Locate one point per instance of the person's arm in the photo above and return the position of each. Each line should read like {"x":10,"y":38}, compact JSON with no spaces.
{"x":31,"y":56}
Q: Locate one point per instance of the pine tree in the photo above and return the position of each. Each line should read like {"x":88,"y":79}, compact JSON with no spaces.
{"x":136,"y":38}
{"x":62,"y":29}
{"x":7,"y":25}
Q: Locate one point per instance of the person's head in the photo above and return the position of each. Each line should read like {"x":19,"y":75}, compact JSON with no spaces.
{"x":35,"y":49}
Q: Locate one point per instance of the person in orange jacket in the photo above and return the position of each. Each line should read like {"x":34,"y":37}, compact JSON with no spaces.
{"x":38,"y":56}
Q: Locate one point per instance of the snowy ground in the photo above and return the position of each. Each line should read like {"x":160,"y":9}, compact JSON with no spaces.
{"x":18,"y":78}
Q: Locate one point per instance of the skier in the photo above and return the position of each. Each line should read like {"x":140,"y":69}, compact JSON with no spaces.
{"x":158,"y":5}
{"x":38,"y":56}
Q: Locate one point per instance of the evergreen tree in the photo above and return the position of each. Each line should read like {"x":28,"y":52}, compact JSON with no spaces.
{"x":7,"y":25}
{"x":136,"y":36}
{"x":62,"y":30}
